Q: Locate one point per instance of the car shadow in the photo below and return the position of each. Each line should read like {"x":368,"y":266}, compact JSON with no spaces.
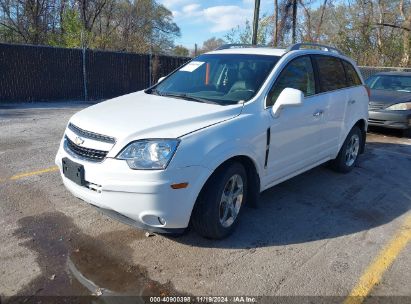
{"x":322,"y":204}
{"x":387,"y":131}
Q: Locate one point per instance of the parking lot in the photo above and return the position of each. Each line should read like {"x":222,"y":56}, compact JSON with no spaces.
{"x":318,"y":234}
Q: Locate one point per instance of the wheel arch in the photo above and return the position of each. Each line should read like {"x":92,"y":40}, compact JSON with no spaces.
{"x":362,"y":125}
{"x":253,"y":177}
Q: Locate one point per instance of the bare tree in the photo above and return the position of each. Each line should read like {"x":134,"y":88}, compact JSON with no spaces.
{"x":406,"y":37}
{"x":320,"y":23}
{"x":284,"y":25}
{"x":307,"y":36}
{"x":29,"y":20}
{"x":90,"y":10}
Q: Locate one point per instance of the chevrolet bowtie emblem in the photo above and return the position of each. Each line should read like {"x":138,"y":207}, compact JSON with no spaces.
{"x":79,"y":141}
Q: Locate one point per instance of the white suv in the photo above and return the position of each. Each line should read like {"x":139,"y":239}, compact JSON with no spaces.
{"x":208,"y":138}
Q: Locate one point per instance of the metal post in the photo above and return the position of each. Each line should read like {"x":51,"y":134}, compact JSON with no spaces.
{"x":83,"y":45}
{"x":85,"y":75}
{"x":195,"y":50}
{"x":150,"y":68}
{"x":150,"y":64}
{"x":255,"y":21}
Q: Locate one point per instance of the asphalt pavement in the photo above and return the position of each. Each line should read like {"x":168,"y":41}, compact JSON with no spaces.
{"x":319,"y":234}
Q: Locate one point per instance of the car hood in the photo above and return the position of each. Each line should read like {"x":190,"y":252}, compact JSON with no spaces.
{"x":140,"y":115}
{"x":389,"y":97}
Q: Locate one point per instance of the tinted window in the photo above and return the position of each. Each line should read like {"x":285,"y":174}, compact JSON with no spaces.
{"x":331,"y":72}
{"x":352,"y":77}
{"x":298,"y":74}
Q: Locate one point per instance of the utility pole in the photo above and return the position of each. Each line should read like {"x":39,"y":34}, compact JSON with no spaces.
{"x":255,"y":21}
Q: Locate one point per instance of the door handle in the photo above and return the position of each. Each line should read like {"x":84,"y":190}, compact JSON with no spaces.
{"x":318,"y":113}
{"x":352,"y":101}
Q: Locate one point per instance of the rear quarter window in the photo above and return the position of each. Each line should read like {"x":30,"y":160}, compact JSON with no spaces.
{"x":352,"y":77}
{"x":331,"y":73}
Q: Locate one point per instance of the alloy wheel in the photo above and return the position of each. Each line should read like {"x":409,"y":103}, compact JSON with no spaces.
{"x":231,"y":200}
{"x":352,"y":150}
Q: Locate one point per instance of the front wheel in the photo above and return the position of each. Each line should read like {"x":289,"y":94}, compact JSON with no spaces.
{"x":216,"y":212}
{"x":347,"y":158}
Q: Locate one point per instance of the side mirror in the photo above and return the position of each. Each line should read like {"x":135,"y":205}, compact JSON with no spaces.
{"x":161,"y":79}
{"x":288,"y":98}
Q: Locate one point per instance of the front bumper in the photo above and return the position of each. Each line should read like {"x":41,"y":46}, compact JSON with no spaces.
{"x":390,"y":119}
{"x":141,"y":198}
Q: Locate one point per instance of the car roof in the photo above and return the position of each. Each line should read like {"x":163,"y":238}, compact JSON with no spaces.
{"x":251,"y":51}
{"x":396,"y":73}
{"x":275,"y":52}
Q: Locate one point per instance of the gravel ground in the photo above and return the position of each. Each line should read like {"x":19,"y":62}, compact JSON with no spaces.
{"x":313,"y":235}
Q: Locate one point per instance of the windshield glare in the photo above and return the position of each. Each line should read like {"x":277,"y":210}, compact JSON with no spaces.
{"x":218,"y":78}
{"x":390,"y":83}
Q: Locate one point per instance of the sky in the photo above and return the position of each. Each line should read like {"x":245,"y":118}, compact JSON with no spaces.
{"x":201,"y":20}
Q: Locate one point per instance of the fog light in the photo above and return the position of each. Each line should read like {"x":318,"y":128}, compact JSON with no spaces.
{"x":161,"y":221}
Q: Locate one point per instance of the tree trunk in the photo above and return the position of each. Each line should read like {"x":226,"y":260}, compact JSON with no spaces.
{"x":294,"y":20}
{"x":320,"y":23}
{"x":406,"y":37}
{"x":275,"y":39}
{"x":379,"y":29}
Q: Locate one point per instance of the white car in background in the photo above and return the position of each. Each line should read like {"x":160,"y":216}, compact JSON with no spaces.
{"x":208,"y":138}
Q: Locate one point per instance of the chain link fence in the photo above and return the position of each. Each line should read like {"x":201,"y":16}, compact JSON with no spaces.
{"x":368,"y":71}
{"x":41,"y":73}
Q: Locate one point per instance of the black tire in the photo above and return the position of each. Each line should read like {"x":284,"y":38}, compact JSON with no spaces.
{"x":340,"y":163}
{"x":207,"y":211}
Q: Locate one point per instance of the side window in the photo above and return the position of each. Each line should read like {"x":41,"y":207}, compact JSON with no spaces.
{"x":352,"y":77}
{"x":298,"y":74}
{"x":331,"y":73}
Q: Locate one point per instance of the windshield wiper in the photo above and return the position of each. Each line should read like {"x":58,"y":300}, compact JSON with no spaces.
{"x":154,"y":91}
{"x":189,"y":97}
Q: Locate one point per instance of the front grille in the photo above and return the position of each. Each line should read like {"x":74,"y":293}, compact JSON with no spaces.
{"x":85,"y":153}
{"x":91,"y":135}
{"x":376,"y":106}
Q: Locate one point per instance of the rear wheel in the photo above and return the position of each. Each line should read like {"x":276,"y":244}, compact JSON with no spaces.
{"x":347,"y":158}
{"x":216,"y":212}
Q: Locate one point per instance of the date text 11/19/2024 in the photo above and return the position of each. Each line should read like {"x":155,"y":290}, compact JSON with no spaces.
{"x":203,"y":299}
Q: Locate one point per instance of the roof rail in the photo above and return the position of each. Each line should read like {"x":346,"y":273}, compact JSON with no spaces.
{"x":323,"y":47}
{"x":236,"y":45}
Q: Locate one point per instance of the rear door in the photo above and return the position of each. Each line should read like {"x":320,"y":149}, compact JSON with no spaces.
{"x":333,"y":89}
{"x":357,"y":105}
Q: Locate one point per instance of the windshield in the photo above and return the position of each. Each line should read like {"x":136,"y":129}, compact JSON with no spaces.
{"x":390,"y":83}
{"x":218,"y":78}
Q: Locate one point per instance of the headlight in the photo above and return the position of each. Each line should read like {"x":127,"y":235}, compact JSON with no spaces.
{"x":154,"y":154}
{"x":400,"y":106}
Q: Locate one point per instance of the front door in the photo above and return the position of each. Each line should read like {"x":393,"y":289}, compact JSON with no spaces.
{"x":296,"y":135}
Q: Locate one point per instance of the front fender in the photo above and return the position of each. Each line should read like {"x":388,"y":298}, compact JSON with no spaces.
{"x":230,"y":149}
